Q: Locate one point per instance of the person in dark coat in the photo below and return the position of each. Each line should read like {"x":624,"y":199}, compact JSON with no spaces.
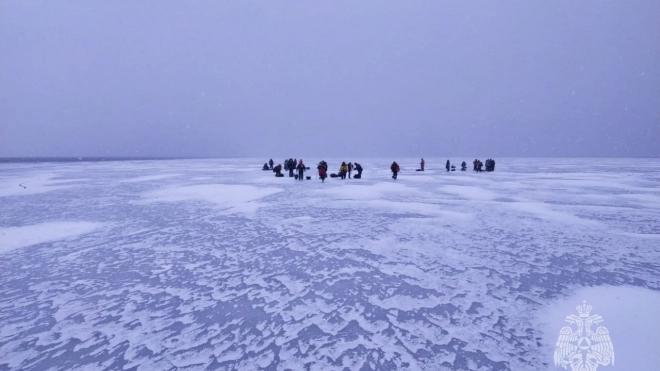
{"x":270,"y":163}
{"x":358,"y":168}
{"x":463,"y":166}
{"x":448,"y":165}
{"x":350,"y":168}
{"x":421,"y":165}
{"x":292,"y":167}
{"x":395,"y":169}
{"x":278,"y":171}
{"x":301,"y":170}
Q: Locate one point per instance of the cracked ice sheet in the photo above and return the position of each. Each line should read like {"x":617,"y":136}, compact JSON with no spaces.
{"x":432,"y":271}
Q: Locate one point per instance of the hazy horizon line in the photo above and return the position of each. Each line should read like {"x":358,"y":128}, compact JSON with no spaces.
{"x":19,"y":159}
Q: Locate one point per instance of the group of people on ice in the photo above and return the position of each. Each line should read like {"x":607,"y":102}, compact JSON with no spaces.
{"x":345,"y":169}
{"x":490,"y":165}
{"x":478,"y":165}
{"x":289,"y":165}
{"x":448,"y":166}
{"x":292,"y":165}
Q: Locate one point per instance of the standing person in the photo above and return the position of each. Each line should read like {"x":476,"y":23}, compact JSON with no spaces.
{"x":343,"y":169}
{"x":323,"y":165}
{"x":421,"y":164}
{"x":492,"y":165}
{"x":292,"y":166}
{"x":358,"y":168}
{"x":270,"y":163}
{"x":475,"y":165}
{"x":448,"y":165}
{"x":350,"y":168}
{"x":301,"y":170}
{"x":395,"y":169}
{"x":323,"y":171}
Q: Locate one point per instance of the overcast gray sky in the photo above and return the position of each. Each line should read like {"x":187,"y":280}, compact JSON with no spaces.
{"x":330,"y":78}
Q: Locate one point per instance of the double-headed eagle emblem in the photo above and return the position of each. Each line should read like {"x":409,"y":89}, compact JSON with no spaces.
{"x":583,"y":349}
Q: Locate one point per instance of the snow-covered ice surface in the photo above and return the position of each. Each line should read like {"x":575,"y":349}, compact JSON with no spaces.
{"x":215,"y":264}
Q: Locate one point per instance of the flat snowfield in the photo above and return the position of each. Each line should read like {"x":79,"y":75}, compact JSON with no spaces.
{"x":216,"y":264}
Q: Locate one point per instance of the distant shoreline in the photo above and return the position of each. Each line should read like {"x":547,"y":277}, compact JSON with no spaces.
{"x":10,"y":160}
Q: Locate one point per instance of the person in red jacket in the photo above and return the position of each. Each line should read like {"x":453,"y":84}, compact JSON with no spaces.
{"x":323,"y":173}
{"x":395,"y":169}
